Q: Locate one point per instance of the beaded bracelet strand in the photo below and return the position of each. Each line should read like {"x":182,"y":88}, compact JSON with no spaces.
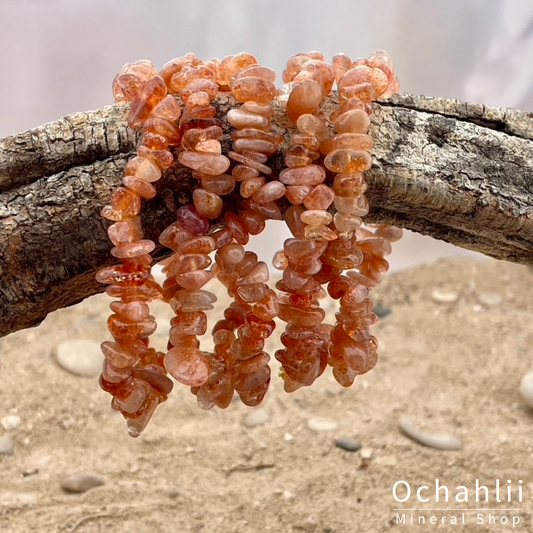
{"x":329,"y":248}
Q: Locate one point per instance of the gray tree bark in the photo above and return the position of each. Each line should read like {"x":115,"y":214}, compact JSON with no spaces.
{"x":459,"y":172}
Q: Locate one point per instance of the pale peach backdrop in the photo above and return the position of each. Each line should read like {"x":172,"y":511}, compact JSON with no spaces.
{"x":58,"y":57}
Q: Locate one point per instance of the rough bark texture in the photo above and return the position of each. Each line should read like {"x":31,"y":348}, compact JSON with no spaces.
{"x":456,"y":171}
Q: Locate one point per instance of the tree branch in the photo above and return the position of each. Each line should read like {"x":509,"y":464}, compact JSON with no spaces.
{"x":459,"y":172}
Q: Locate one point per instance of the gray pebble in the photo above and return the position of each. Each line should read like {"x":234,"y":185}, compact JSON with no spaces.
{"x":257,"y":417}
{"x":7,"y":446}
{"x":348,"y":443}
{"x":320,"y":425}
{"x":440,"y":442}
{"x":381,"y":311}
{"x":526,"y":389}
{"x":81,"y":483}
{"x":81,"y":357}
{"x":307,"y":525}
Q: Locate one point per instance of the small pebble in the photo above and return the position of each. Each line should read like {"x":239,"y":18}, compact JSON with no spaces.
{"x":526,"y":389}
{"x":257,"y":417}
{"x":81,"y":483}
{"x":288,"y":437}
{"x":81,"y":357}
{"x":7,"y":446}
{"x":288,"y":495}
{"x":348,"y":443}
{"x":320,"y":425}
{"x":11,"y":422}
{"x":490,"y":299}
{"x":387,"y":460}
{"x":444,"y":297}
{"x":366,"y":453}
{"x":307,"y":525}
{"x":381,"y":311}
{"x":440,"y":442}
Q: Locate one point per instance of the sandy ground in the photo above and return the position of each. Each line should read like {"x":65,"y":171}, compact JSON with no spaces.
{"x":451,"y":368}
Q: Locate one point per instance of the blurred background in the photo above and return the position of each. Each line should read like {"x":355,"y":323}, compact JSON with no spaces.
{"x":61,"y":56}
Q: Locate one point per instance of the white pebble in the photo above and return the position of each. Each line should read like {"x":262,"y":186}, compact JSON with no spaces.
{"x":321,"y":425}
{"x":81,"y":357}
{"x":526,"y":389}
{"x":257,"y":417}
{"x":366,"y":453}
{"x":10,"y":422}
{"x":490,"y":299}
{"x":288,"y":495}
{"x":444,"y":297}
{"x":6,"y":446}
{"x":288,"y":437}
{"x":440,"y":442}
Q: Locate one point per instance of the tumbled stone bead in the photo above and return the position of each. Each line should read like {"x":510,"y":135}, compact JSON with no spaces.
{"x":129,"y":330}
{"x":345,"y":160}
{"x":189,"y":324}
{"x":310,"y":175}
{"x":294,"y":222}
{"x":312,"y":125}
{"x":270,"y":210}
{"x":180,"y":264}
{"x":249,"y":187}
{"x":198,"y":245}
{"x":193,"y":136}
{"x":296,"y":193}
{"x":256,"y":71}
{"x":236,"y":227}
{"x":174,"y":235}
{"x":221,"y":185}
{"x":255,"y":145}
{"x":153,"y":141}
{"x":162,"y":158}
{"x":304,"y":249}
{"x":188,"y":74}
{"x":363,"y":91}
{"x":147,"y":291}
{"x":269,"y":192}
{"x":301,"y":317}
{"x":354,"y":121}
{"x":305,"y":98}
{"x":364,"y":74}
{"x":229,"y":256}
{"x":346,"y":223}
{"x":258,"y":135}
{"x":316,"y":217}
{"x":189,"y":367}
{"x":265,"y":110}
{"x":320,"y":197}
{"x":140,"y":187}
{"x":391,"y":233}
{"x":252,"y":88}
{"x":128,"y":202}
{"x":267,"y":308}
{"x":192,"y":221}
{"x":164,"y":128}
{"x":193,"y":281}
{"x":152,"y":93}
{"x":133,"y":249}
{"x":259,"y":274}
{"x":190,"y":301}
{"x":243,"y":172}
{"x":352,"y":205}
{"x":118,"y":355}
{"x":137,"y":423}
{"x":212,"y":164}
{"x":168,"y":109}
{"x":125,"y":273}
{"x":239,"y":119}
{"x":350,"y":184}
{"x":144,"y":169}
{"x":210,"y":147}
{"x":356,"y":294}
{"x":319,"y":233}
{"x":199,"y":92}
{"x":250,"y":162}
{"x":354,"y":141}
{"x":134,"y":311}
{"x":377,"y":246}
{"x":237,"y":64}
{"x":253,"y":292}
{"x":125,"y":231}
{"x":207,"y":203}
{"x":320,"y":71}
{"x":294,"y":65}
{"x":357,"y":356}
{"x":254,"y":223}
